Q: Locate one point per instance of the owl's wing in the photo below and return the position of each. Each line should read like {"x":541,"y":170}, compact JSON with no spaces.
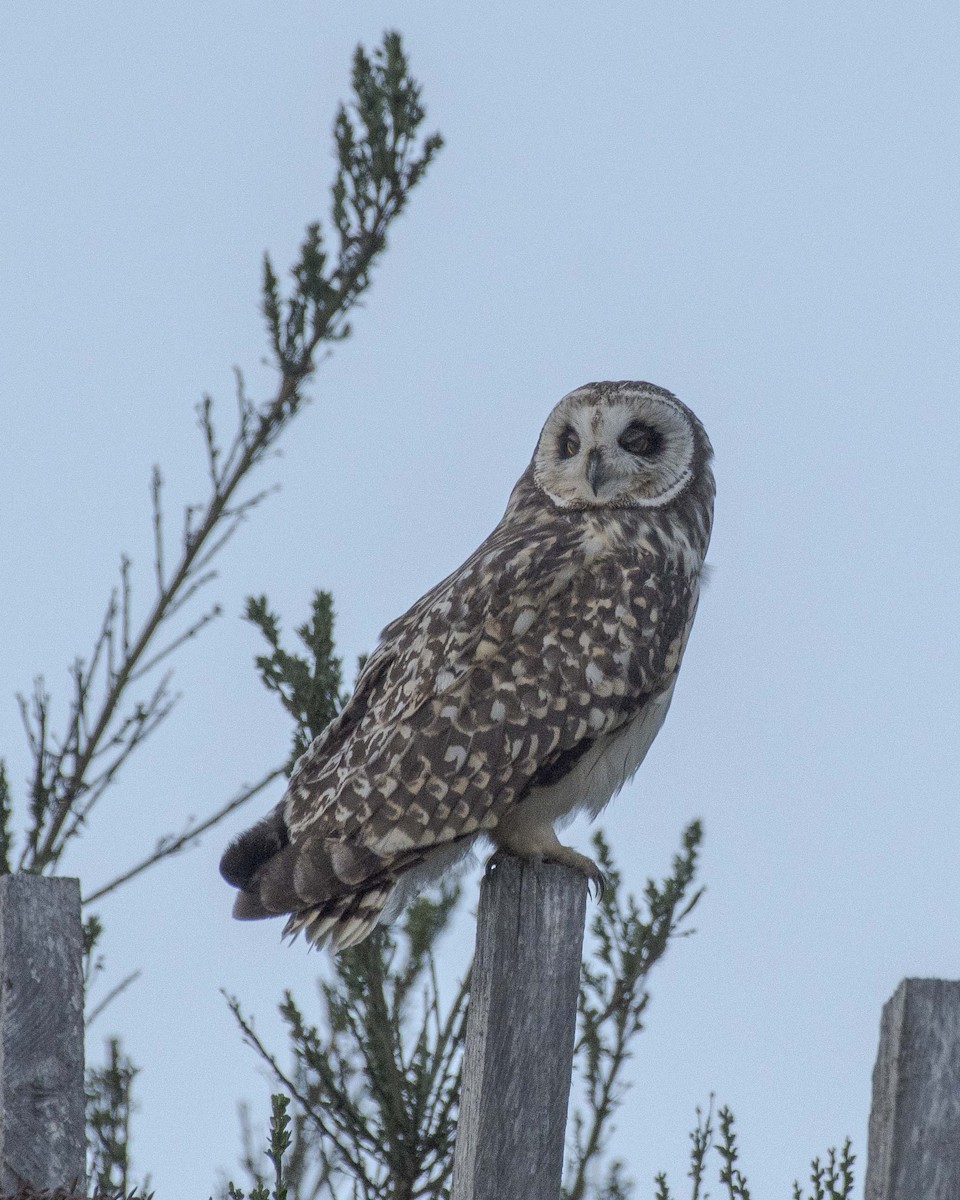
{"x":506,"y":671}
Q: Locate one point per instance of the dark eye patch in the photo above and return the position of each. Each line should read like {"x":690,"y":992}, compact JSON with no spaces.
{"x":641,"y":440}
{"x":569,"y":443}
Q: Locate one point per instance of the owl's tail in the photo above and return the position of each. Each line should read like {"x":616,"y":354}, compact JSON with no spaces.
{"x":320,"y":882}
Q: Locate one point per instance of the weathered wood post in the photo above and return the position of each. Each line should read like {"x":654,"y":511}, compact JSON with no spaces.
{"x":41,"y":1033}
{"x":914,"y":1144}
{"x":520,"y":1033}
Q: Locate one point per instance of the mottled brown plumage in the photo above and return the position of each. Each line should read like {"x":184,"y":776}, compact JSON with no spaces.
{"x":526,"y":685}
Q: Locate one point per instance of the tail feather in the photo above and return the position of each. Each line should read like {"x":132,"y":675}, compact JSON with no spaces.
{"x":341,"y":922}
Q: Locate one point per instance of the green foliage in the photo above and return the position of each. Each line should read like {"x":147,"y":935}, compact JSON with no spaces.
{"x":92,"y":932}
{"x":832,"y":1182}
{"x":5,"y":812}
{"x":109,"y":1107}
{"x":380,"y":160}
{"x":308,"y":688}
{"x":627,"y":940}
{"x":277,"y":1148}
{"x":730,"y":1173}
{"x":375,"y":1085}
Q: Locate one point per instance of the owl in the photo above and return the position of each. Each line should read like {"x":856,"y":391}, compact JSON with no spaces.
{"x":524,"y":688}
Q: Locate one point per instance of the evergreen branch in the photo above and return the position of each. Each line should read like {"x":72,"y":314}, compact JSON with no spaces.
{"x":442,"y":1079}
{"x":730,"y":1173}
{"x":613,"y":998}
{"x":833,"y":1181}
{"x":251,"y":1038}
{"x":330,"y":1071}
{"x":309,"y":689}
{"x":663,"y":1191}
{"x":6,"y":811}
{"x":364,"y":1094}
{"x":109,"y":1096}
{"x":701,"y":1140}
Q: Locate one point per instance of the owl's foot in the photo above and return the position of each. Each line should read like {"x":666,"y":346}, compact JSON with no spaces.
{"x":541,"y":843}
{"x":566,"y":856}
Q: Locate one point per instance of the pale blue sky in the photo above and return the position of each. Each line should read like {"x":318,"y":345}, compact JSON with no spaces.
{"x":753,"y":205}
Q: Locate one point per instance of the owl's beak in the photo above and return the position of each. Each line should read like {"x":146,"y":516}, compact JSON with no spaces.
{"x":596,"y":474}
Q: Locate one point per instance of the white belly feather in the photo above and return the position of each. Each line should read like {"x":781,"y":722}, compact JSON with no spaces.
{"x":599,"y":774}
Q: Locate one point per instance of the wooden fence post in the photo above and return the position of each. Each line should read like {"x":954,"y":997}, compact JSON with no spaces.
{"x":520,"y":1033}
{"x":914,"y":1144}
{"x":41,"y":1033}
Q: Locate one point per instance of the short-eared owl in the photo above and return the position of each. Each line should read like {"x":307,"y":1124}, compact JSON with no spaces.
{"x":525,"y":687}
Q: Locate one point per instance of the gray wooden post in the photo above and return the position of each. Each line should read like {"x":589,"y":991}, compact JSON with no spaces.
{"x":520,"y":1033}
{"x":914,"y":1144}
{"x":41,"y":1033}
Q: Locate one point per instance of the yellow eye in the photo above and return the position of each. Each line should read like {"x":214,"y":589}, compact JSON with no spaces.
{"x":569,"y":443}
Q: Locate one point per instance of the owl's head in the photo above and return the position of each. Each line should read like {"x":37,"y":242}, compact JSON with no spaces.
{"x":619,"y":445}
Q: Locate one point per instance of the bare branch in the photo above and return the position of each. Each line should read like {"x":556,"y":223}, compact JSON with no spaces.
{"x":354,"y":1161}
{"x":111,"y":996}
{"x":156,"y":486}
{"x":194,"y":629}
{"x":26,"y":718}
{"x":205,"y":414}
{"x":136,"y":727}
{"x":186,"y":595}
{"x":170,"y":845}
{"x":188,"y":513}
{"x":125,"y":586}
{"x":238,"y":511}
{"x":214,"y":548}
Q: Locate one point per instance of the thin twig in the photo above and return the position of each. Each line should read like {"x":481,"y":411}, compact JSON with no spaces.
{"x":167,"y":848}
{"x":156,"y":485}
{"x":205,"y":412}
{"x":177,"y":642}
{"x":355,"y":1164}
{"x":186,"y":594}
{"x":125,"y":585}
{"x":110,"y":996}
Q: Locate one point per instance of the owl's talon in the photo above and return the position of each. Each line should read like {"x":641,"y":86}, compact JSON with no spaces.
{"x":596,"y":880}
{"x":568,"y":857}
{"x":495,"y":859}
{"x":599,"y":881}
